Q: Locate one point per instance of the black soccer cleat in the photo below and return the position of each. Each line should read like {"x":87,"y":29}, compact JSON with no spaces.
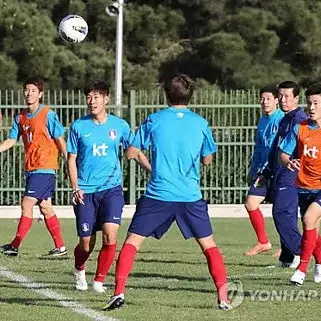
{"x":57,"y":252}
{"x":9,"y":250}
{"x":115,"y":302}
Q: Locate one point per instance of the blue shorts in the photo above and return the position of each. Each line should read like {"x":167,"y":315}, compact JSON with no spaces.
{"x":264,"y":191}
{"x":306,"y":199}
{"x":154,"y":218}
{"x":40,"y":186}
{"x":99,"y":208}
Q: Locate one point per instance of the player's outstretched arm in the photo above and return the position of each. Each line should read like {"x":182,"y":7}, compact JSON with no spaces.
{"x":7,"y":144}
{"x":61,"y":144}
{"x":207,"y":160}
{"x":136,"y":154}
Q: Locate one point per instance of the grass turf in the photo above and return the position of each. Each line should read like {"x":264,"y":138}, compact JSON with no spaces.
{"x":170,"y":280}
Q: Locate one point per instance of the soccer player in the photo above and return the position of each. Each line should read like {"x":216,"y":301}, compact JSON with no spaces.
{"x":96,"y":179}
{"x":267,"y":128}
{"x":284,"y":190}
{"x":307,"y":138}
{"x":173,"y":192}
{"x":42,"y":136}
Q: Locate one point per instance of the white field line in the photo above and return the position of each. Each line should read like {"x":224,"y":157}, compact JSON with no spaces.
{"x":44,"y":290}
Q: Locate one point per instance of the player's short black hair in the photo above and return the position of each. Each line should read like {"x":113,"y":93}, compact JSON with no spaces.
{"x":38,"y":81}
{"x":269,"y":89}
{"x":292,"y":85}
{"x":313,"y":89}
{"x":97,"y":85}
{"x":179,"y":89}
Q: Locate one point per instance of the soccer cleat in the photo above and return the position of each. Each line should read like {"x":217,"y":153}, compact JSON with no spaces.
{"x":224,"y":306}
{"x":80,"y":278}
{"x":58,"y":252}
{"x":317,"y":273}
{"x":115,"y":302}
{"x":298,"y":277}
{"x":258,"y":248}
{"x":99,"y":287}
{"x":9,"y":250}
{"x":283,"y":264}
{"x":295,"y":263}
{"x":292,"y":265}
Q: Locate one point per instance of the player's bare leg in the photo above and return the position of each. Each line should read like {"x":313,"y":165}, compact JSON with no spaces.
{"x":124,"y":266}
{"x":256,"y":217}
{"x":53,"y":227}
{"x":217,"y":269}
{"x":106,"y":255}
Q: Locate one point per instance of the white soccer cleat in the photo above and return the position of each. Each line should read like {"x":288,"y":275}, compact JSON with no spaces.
{"x":224,"y":306}
{"x":99,"y":287}
{"x":295,"y":263}
{"x":298,"y":277}
{"x":317,"y":273}
{"x":80,"y":278}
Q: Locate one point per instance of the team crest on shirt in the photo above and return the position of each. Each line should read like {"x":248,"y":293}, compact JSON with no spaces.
{"x":112,"y":134}
{"x":85,"y":227}
{"x":180,"y":115}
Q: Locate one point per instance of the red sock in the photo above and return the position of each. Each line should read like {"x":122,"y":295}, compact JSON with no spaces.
{"x":105,"y":260}
{"x":54,"y":229}
{"x":124,"y":266}
{"x":80,"y":258}
{"x":258,"y":223}
{"x":22,"y":230}
{"x":308,"y":242}
{"x":317,"y":250}
{"x":217,"y":270}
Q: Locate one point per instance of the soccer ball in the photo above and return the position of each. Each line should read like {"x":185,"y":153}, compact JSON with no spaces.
{"x":73,"y":28}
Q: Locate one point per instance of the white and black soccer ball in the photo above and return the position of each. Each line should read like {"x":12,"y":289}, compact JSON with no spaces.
{"x":73,"y":28}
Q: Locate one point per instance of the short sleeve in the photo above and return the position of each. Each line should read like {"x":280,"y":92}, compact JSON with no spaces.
{"x":289,"y":143}
{"x":14,"y":132}
{"x":54,"y":126}
{"x":208,"y":147}
{"x":72,"y":141}
{"x":143,"y":134}
{"x":127,"y":136}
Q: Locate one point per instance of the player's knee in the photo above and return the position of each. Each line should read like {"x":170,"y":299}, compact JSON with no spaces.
{"x":206,"y":243}
{"x":309,"y":222}
{"x":250,"y":205}
{"x":46,"y":209}
{"x":85,"y":246}
{"x":109,"y":239}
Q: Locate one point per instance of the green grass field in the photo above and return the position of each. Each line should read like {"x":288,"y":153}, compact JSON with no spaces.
{"x":170,"y":280}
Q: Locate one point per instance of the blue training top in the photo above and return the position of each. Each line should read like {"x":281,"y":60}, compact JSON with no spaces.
{"x":267,"y":129}
{"x":178,"y":139}
{"x":282,"y":175}
{"x":97,"y":150}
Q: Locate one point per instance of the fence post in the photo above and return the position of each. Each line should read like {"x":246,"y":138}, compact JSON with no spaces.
{"x":132,"y":164}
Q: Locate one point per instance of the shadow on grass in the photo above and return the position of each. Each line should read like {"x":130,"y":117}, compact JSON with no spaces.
{"x":146,"y":260}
